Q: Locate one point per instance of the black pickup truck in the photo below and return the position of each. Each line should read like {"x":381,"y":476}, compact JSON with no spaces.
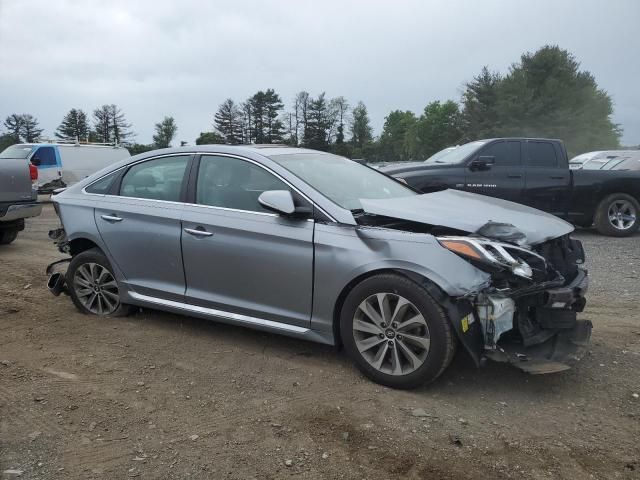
{"x":534,"y":172}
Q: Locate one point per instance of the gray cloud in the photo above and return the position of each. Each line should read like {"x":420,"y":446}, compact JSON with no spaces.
{"x":184,"y":58}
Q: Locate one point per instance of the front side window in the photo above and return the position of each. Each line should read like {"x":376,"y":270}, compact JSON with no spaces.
{"x":158,"y":179}
{"x":505,"y":153}
{"x":341,"y":180}
{"x":46,"y":155}
{"x":541,"y":154}
{"x":233,"y":183}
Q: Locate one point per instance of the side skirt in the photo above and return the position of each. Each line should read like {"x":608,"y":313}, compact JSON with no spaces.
{"x":232,"y":318}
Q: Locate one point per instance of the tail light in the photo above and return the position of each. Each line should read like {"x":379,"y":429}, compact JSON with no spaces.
{"x":33,"y":171}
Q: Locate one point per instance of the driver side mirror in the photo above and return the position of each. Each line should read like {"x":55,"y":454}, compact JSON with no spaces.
{"x":278,"y":201}
{"x":483,"y":162}
{"x":35,"y":160}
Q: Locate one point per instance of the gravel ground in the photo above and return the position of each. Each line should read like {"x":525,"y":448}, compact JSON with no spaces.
{"x":162,"y":396}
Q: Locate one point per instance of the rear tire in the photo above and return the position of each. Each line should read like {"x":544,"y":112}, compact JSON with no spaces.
{"x":617,"y":215}
{"x":93,"y":287}
{"x":395,"y":332}
{"x":8,"y":236}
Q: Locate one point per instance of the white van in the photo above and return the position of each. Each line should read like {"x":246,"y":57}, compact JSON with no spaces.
{"x":63,"y":164}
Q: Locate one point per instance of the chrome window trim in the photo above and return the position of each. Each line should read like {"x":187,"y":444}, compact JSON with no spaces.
{"x":84,"y":191}
{"x":236,"y":317}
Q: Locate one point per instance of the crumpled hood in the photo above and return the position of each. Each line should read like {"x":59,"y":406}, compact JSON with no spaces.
{"x":469,"y":212}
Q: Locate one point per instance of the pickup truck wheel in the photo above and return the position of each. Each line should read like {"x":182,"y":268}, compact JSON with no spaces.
{"x":617,"y":215}
{"x":8,"y":236}
{"x":395,"y":332}
{"x":93,"y":287}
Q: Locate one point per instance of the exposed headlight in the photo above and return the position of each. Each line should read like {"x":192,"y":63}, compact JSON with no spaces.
{"x":491,"y":253}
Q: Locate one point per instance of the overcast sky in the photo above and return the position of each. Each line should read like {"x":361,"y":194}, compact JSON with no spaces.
{"x":183,"y":58}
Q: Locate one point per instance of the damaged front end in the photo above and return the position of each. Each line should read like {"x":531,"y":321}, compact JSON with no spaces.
{"x":528,"y":315}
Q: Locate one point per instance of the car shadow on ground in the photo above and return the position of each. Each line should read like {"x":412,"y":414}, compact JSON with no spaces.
{"x":491,"y":378}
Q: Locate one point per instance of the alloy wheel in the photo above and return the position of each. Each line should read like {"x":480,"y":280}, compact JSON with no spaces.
{"x":96,"y":288}
{"x":622,"y":214}
{"x":391,"y":334}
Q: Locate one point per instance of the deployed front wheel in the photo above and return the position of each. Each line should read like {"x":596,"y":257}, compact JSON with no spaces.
{"x":93,"y":287}
{"x":396,"y":333}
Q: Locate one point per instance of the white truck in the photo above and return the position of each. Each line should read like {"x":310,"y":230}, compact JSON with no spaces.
{"x":62,"y":164}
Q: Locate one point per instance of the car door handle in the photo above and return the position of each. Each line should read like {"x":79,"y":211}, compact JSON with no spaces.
{"x":514,"y":175}
{"x":111,"y":218}
{"x":557,"y":177}
{"x":198,"y":233}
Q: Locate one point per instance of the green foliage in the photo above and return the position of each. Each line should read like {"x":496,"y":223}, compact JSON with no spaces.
{"x":480,"y":116}
{"x":545,"y":95}
{"x":438,"y":127}
{"x":74,"y":126}
{"x":392,"y":145}
{"x":228,"y":121}
{"x":316,"y":131}
{"x":165,"y":132}
{"x":262,"y":111}
{"x":22,"y":127}
{"x":6,"y":140}
{"x":210,"y":138}
{"x":136,"y":148}
{"x":361,"y":132}
{"x":110,"y":125}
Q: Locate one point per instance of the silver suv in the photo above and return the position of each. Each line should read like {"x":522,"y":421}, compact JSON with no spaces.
{"x":319,"y":247}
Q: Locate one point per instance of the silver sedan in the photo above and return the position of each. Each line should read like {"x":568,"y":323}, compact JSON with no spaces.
{"x":318,"y":247}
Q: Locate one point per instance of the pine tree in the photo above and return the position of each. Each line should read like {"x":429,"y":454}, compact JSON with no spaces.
{"x":165,"y":132}
{"x":13,"y":123}
{"x":73,"y":126}
{"x":264,"y":108}
{"x":480,"y":116}
{"x":110,"y":125}
{"x":30,"y":131}
{"x":228,"y":122}
{"x":316,"y":131}
{"x":361,"y":132}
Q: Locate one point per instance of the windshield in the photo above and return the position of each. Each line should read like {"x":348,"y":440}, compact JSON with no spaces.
{"x":17,"y":151}
{"x":341,"y":180}
{"x":456,"y":154}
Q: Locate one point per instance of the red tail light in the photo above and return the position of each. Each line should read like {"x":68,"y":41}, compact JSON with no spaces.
{"x":33,"y":170}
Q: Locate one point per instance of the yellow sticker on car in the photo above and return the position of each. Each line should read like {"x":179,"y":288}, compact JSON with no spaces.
{"x":465,"y":324}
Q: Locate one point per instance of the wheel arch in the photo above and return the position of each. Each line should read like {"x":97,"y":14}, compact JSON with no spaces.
{"x":82,"y":244}
{"x":421,"y":280}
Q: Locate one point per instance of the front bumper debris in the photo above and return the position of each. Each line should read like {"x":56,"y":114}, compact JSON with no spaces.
{"x":537,"y":332}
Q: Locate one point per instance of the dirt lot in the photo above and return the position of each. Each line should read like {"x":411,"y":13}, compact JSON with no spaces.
{"x":162,"y":396}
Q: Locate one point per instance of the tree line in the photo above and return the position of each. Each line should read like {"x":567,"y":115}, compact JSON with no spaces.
{"x":545,"y":94}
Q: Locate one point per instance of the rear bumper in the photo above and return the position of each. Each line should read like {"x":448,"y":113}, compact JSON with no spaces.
{"x":21,"y":210}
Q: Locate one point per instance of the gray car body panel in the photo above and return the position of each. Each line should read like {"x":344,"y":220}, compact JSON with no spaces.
{"x":278,"y":274}
{"x":469,"y":212}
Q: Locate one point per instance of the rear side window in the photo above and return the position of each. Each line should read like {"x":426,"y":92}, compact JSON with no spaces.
{"x":46,"y":155}
{"x":541,"y":154}
{"x":504,"y":153}
{"x":102,"y":186}
{"x":233,"y":183}
{"x":158,"y":179}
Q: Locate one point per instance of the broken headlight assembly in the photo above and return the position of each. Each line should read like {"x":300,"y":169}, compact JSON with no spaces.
{"x":493,"y":256}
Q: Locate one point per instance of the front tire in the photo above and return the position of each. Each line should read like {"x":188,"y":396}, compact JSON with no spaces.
{"x":93,"y":287}
{"x":8,"y":236}
{"x":395,"y":332}
{"x":617,"y":215}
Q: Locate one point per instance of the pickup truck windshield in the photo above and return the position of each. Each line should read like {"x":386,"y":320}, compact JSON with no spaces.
{"x":16,"y":151}
{"x":452,"y":155}
{"x":341,"y":180}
